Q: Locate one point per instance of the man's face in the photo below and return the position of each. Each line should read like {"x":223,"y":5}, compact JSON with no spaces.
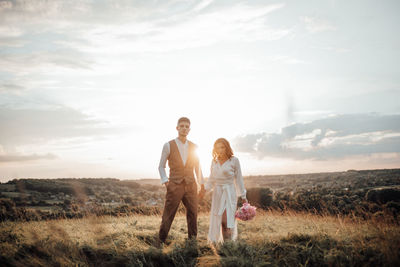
{"x":183,"y":128}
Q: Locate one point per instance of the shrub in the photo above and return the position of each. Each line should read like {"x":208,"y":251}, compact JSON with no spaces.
{"x":260,"y":197}
{"x":383,"y":195}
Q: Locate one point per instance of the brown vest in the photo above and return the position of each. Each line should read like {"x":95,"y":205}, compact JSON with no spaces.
{"x":177,"y":171}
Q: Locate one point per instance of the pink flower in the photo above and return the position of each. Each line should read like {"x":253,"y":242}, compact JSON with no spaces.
{"x":246,"y":212}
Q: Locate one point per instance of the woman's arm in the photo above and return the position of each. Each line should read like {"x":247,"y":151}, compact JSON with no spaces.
{"x":240,"y":190}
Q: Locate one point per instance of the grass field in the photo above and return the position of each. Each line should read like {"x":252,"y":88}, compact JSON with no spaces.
{"x":271,"y":239}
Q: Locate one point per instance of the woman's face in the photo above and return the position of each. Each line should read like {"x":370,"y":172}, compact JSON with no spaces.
{"x":221,"y":150}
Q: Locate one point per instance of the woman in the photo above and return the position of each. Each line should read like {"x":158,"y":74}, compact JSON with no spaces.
{"x":226,"y":181}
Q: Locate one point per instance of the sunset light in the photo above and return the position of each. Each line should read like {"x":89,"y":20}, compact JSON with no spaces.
{"x":94,"y":89}
{"x":199,"y":133}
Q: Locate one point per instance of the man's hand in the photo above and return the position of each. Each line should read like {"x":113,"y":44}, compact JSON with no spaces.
{"x":166,"y":184}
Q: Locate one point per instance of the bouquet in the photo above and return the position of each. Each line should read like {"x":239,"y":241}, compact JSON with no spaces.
{"x":246,"y":212}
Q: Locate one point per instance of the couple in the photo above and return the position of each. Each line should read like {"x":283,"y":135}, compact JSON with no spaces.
{"x":226,"y":182}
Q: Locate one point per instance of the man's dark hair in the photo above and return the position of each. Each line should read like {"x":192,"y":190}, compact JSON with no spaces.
{"x":183,"y":119}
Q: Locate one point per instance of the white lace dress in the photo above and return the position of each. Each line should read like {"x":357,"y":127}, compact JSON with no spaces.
{"x":226,"y":181}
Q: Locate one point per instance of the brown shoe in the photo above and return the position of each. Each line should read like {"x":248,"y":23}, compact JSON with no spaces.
{"x":159,"y":244}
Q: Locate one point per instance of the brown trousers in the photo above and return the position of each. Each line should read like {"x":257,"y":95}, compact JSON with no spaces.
{"x":187,"y":193}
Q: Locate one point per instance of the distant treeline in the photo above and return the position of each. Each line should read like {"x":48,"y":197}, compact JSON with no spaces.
{"x":364,"y":194}
{"x":34,"y":192}
{"x":374,"y":203}
{"x":71,"y":186}
{"x":9,"y":211}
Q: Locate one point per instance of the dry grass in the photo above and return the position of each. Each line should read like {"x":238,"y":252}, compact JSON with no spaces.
{"x":84,"y":241}
{"x":273,"y":225}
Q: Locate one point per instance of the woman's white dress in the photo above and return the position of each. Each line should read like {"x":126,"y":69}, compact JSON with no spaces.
{"x":226,"y":181}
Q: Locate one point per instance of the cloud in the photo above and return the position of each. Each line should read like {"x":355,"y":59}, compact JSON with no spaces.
{"x":332,"y":48}
{"x":332,"y":137}
{"x":203,"y":4}
{"x":161,"y":26}
{"x":10,"y":87}
{"x":11,"y":42}
{"x":315,"y":25}
{"x":23,"y":158}
{"x":4,"y":5}
{"x":41,"y":61}
{"x":18,"y":157}
{"x":9,"y":36}
{"x":39,"y":35}
{"x":35,"y":126}
{"x":7,"y":31}
{"x":288,"y":60}
{"x":192,"y":28}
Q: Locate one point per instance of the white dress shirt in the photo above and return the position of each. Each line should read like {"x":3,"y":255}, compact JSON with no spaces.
{"x":183,"y":151}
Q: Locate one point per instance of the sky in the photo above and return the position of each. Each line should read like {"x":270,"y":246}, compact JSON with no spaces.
{"x":95,"y":88}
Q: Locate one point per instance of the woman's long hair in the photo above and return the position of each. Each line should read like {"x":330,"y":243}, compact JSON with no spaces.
{"x":228,"y":149}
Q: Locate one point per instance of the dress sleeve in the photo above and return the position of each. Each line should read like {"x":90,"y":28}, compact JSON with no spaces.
{"x":240,"y":190}
{"x":211,"y":180}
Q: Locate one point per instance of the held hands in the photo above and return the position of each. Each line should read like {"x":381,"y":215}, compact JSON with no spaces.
{"x":202,"y":192}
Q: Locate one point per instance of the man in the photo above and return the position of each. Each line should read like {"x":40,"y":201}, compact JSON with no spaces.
{"x":181,"y":184}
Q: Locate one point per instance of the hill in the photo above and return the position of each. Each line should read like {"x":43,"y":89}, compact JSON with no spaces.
{"x":361,"y":193}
